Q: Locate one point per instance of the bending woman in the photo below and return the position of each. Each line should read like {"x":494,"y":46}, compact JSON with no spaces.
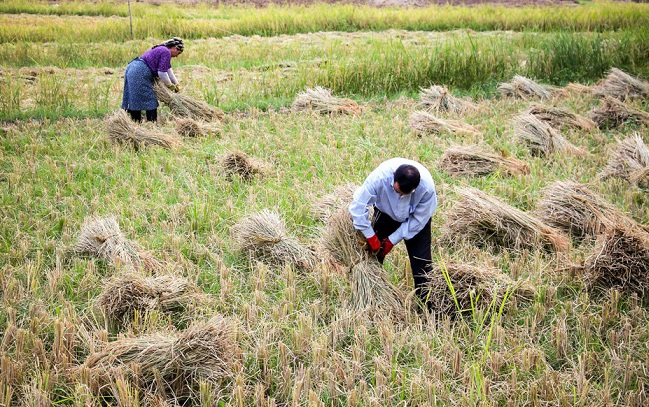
{"x":140,"y":74}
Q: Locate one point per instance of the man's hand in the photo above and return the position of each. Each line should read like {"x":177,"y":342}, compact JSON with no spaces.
{"x":386,"y":246}
{"x":374,"y":243}
{"x":174,"y":87}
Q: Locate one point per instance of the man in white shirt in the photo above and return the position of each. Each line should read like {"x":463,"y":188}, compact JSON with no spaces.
{"x":403,"y":194}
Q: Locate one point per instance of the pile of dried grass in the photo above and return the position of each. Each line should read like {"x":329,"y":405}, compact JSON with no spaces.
{"x":263,"y":235}
{"x":438,"y":99}
{"x":344,"y":244}
{"x":620,"y":259}
{"x":102,"y":238}
{"x":191,"y":128}
{"x":123,"y":130}
{"x":576,"y":88}
{"x":524,"y":88}
{"x":482,"y":220}
{"x":612,"y":112}
{"x":575,"y":209}
{"x":321,"y":100}
{"x":128,"y":293}
{"x":238,"y":164}
{"x":472,"y":161}
{"x":558,"y":117}
{"x":541,"y":138}
{"x":423,"y":123}
{"x":184,"y":106}
{"x":621,"y":85}
{"x":373,"y":293}
{"x":630,"y":161}
{"x":327,"y":205}
{"x":172,"y":364}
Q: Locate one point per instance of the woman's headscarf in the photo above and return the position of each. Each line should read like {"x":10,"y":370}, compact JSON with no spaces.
{"x":174,"y":42}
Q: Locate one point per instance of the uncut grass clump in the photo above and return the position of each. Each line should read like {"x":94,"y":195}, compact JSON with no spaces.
{"x":185,"y":106}
{"x":474,"y":161}
{"x":264,"y":237}
{"x":526,"y":89}
{"x":123,"y":130}
{"x":424,"y":123}
{"x":558,"y":117}
{"x":103,"y":239}
{"x":630,"y":162}
{"x":192,"y":128}
{"x":439,"y":99}
{"x":172,"y":364}
{"x":484,"y":220}
{"x":622,"y":86}
{"x":325,"y":206}
{"x":124,"y":295}
{"x":321,"y":100}
{"x":373,"y":294}
{"x":541,"y":138}
{"x":239,"y":164}
{"x":612,"y":112}
{"x":341,"y":241}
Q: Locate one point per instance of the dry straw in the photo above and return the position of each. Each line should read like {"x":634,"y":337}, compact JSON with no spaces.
{"x":128,"y":293}
{"x":263,"y":235}
{"x":439,"y":99}
{"x":612,"y":112}
{"x":172,"y":364}
{"x":483,"y":220}
{"x":541,"y":138}
{"x":472,"y":160}
{"x":102,"y":238}
{"x":322,"y":101}
{"x":192,"y":128}
{"x":328,"y":204}
{"x":344,"y":244}
{"x":558,"y":117}
{"x":524,"y":88}
{"x":184,"y":106}
{"x":630,"y":161}
{"x":423,"y":123}
{"x":373,"y":293}
{"x":123,"y":130}
{"x":621,"y":85}
{"x":238,"y":164}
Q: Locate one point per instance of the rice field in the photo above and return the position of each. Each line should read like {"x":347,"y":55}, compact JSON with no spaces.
{"x":207,"y":264}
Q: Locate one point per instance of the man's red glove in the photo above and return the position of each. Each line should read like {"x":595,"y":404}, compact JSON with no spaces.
{"x":374,"y":243}
{"x":386,"y":246}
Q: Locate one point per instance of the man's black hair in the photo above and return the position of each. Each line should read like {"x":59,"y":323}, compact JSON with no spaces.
{"x":407,"y":176}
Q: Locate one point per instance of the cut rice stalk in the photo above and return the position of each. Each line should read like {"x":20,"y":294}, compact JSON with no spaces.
{"x":373,"y":293}
{"x":322,"y":101}
{"x":524,"y":88}
{"x":558,"y":117}
{"x":438,"y":99}
{"x":184,"y":106}
{"x":123,"y":130}
{"x":630,"y":161}
{"x":612,"y":112}
{"x":472,"y":161}
{"x":541,"y":138}
{"x":344,"y":244}
{"x":238,"y":163}
{"x":423,"y":123}
{"x":622,"y":86}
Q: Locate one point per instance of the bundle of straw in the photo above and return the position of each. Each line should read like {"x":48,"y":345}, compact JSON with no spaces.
{"x":263,"y":235}
{"x":173,"y":364}
{"x":128,"y":293}
{"x":541,"y":138}
{"x":102,"y":238}
{"x":619,"y":259}
{"x":575,"y":209}
{"x":191,"y":128}
{"x":423,"y":123}
{"x":557,"y":117}
{"x":612,"y":112}
{"x":373,"y":293}
{"x":321,"y":100}
{"x":482,"y":219}
{"x":524,"y":88}
{"x":576,"y":88}
{"x":472,"y":161}
{"x":344,"y":244}
{"x":438,"y":99}
{"x":122,"y":130}
{"x":328,"y":204}
{"x":630,"y":161}
{"x":620,"y":85}
{"x":238,"y":164}
{"x":184,"y":106}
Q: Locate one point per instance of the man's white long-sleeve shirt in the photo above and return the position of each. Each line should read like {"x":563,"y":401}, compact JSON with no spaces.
{"x":412,"y":210}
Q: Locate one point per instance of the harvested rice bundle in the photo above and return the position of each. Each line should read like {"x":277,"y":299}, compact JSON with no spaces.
{"x":575,"y":209}
{"x":612,"y":112}
{"x":191,"y":128}
{"x":557,"y":117}
{"x":237,"y":163}
{"x":128,"y":293}
{"x":621,"y":85}
{"x":524,"y":88}
{"x":576,"y":88}
{"x":172,"y":364}
{"x":122,"y":130}
{"x":472,"y":161}
{"x":263,"y":236}
{"x":327,"y":205}
{"x":482,"y":219}
{"x":438,"y":99}
{"x":423,"y":123}
{"x":619,"y":259}
{"x":373,"y":293}
{"x":184,"y":106}
{"x":630,"y":161}
{"x":102,"y":238}
{"x":541,"y":138}
{"x":344,"y":244}
{"x":321,"y":100}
